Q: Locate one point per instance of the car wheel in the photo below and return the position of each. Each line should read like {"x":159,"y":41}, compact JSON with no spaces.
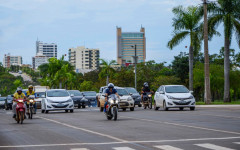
{"x":46,"y":111}
{"x":192,"y":108}
{"x":140,"y":105}
{"x":124,"y":109}
{"x":79,"y":106}
{"x":181,"y":108}
{"x":155,"y":106}
{"x":164,"y":106}
{"x":71,"y":111}
{"x":132,"y":109}
{"x":66,"y":111}
{"x":43,"y":111}
{"x":83,"y":106}
{"x":101,"y":109}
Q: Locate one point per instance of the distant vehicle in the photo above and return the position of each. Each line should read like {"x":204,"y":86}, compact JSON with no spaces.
{"x":98,"y":95}
{"x":2,"y":102}
{"x":135,"y":95}
{"x":173,"y":96}
{"x":20,"y":71}
{"x":39,"y":91}
{"x":57,"y":99}
{"x":77,"y":98}
{"x":90,"y":96}
{"x":126,"y":101}
{"x":8,"y":102}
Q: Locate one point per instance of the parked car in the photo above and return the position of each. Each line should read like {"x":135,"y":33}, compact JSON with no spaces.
{"x":173,"y":96}
{"x":90,"y":96}
{"x":126,"y":101}
{"x":8,"y":102}
{"x":57,"y":99}
{"x":98,"y":95}
{"x":2,"y":102}
{"x":77,"y":98}
{"x":135,"y":95}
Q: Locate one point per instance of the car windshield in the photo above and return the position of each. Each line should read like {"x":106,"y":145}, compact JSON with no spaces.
{"x":176,"y":89}
{"x":10,"y":97}
{"x":57,"y":93}
{"x":2,"y":98}
{"x":131,"y":90}
{"x":90,"y":93}
{"x":39,"y":94}
{"x":122,"y":92}
{"x":75,"y":93}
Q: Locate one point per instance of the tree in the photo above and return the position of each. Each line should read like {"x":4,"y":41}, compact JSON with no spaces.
{"x":228,"y":13}
{"x":187,"y":23}
{"x":107,"y":69}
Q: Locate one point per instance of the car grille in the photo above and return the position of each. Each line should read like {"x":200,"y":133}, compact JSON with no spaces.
{"x":181,"y":99}
{"x":182,"y":103}
{"x":123,"y":104}
{"x":60,"y":106}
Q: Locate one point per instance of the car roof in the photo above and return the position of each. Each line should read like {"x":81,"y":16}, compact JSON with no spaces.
{"x":73,"y":90}
{"x":90,"y":91}
{"x":56,"y":90}
{"x":173,"y":85}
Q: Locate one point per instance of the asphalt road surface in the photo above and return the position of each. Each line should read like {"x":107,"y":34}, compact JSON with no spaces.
{"x":88,"y":129}
{"x":24,"y":76}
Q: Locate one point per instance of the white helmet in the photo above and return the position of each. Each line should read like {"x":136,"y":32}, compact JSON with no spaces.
{"x":19,"y":89}
{"x":110,"y":85}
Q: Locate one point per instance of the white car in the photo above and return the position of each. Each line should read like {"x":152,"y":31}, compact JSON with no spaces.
{"x":173,"y":96}
{"x":57,"y":99}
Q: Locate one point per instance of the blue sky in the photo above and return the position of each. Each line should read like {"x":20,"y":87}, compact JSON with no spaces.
{"x":72,"y":23}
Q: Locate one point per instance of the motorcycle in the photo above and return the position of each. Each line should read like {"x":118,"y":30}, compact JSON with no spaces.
{"x":112,"y":107}
{"x":147,"y":100}
{"x":30,"y":106}
{"x":20,"y":110}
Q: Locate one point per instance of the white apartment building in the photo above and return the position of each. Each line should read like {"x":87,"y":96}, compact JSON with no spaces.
{"x":39,"y":60}
{"x":9,"y":60}
{"x":47,"y":49}
{"x":84,"y":58}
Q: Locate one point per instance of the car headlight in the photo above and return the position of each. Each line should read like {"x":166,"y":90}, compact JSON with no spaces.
{"x":191,"y":97}
{"x":170,"y":97}
{"x":150,"y":95}
{"x":129,"y":99}
{"x":70,"y":100}
{"x":50,"y":101}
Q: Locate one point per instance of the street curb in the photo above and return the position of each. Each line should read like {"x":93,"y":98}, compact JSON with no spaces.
{"x":218,"y":106}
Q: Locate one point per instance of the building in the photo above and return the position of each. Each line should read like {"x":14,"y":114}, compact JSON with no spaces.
{"x":126,"y":42}
{"x":47,"y":49}
{"x":84,"y":58}
{"x":9,"y":60}
{"x":39,"y":60}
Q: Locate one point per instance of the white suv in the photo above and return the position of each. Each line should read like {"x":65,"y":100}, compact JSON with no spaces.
{"x":57,"y":99}
{"x":173,"y":96}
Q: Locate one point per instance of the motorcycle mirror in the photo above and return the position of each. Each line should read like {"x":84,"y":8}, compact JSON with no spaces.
{"x":11,"y":95}
{"x":191,"y":92}
{"x":161,"y":92}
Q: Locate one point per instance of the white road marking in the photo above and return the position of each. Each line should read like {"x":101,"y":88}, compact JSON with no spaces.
{"x":86,"y":130}
{"x":213,"y":147}
{"x":182,"y":125}
{"x":167,"y":147}
{"x":79,"y":149}
{"x":123,"y":148}
{"x":236,"y":142}
{"x":126,"y":142}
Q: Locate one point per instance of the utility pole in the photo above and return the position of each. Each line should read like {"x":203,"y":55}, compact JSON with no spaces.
{"x":135,"y":63}
{"x":207,"y":89}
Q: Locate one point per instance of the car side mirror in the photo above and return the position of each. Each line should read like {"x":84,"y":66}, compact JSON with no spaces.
{"x":191,"y":92}
{"x":11,"y":95}
{"x":43,"y":96}
{"x":130,"y":94}
{"x":72,"y":95}
{"x":161,"y":92}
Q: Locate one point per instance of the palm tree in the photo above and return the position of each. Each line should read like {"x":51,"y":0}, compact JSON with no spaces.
{"x":107,"y":69}
{"x":187,"y":23}
{"x":228,"y":13}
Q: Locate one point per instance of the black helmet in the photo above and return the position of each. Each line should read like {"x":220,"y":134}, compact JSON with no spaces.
{"x":110,"y":85}
{"x":145,"y":84}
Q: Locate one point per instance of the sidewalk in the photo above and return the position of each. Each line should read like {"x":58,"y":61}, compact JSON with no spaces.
{"x":218,"y":106}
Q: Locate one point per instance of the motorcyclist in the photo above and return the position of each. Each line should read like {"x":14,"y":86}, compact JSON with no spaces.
{"x":145,"y":89}
{"x":31,"y":92}
{"x":18,"y":95}
{"x":110,"y":90}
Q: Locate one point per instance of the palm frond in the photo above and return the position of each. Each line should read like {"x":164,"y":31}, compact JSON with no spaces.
{"x":177,"y":38}
{"x":237,"y":30}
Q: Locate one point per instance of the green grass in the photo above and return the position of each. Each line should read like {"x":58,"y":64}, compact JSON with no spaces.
{"x":219,"y":103}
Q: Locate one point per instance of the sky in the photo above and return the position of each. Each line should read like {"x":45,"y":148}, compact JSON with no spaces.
{"x":72,"y":23}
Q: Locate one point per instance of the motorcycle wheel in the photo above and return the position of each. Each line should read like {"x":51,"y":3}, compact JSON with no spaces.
{"x":109,"y":117}
{"x":31,"y":113}
{"x":17,"y":117}
{"x":114,"y":113}
{"x":21,"y":117}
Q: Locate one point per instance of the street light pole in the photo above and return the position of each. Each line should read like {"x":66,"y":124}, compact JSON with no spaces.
{"x":207,"y":90}
{"x":135,"y":63}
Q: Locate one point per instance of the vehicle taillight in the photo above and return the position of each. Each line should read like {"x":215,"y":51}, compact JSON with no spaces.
{"x":107,"y":106}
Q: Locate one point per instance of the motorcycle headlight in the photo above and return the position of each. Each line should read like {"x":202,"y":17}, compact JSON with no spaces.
{"x":129,"y":99}
{"x":31,"y":101}
{"x":20,"y":101}
{"x":170,"y":97}
{"x":111,"y":101}
{"x":116,"y":101}
{"x":150,"y":95}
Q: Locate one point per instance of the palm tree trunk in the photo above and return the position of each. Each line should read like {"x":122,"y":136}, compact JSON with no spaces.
{"x":191,"y":68}
{"x":226,"y":71}
{"x":107,"y":80}
{"x":60,"y":85}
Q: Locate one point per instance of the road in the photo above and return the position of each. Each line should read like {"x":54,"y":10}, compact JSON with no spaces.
{"x":24,"y":76}
{"x":88,"y":129}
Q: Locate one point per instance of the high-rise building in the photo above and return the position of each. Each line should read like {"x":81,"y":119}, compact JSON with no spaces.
{"x":9,"y":60}
{"x":126,"y":42}
{"x":39,"y":60}
{"x":84,"y":58}
{"x":47,"y":49}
